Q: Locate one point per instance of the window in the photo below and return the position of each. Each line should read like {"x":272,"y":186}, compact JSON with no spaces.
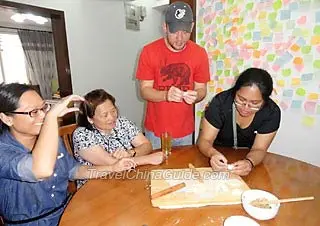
{"x":12,"y":59}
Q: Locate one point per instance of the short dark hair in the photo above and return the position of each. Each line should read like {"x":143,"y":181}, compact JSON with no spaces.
{"x":255,"y":76}
{"x":10,"y":95}
{"x":89,"y":106}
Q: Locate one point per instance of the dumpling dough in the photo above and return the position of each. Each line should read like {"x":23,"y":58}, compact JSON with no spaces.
{"x":230,"y":167}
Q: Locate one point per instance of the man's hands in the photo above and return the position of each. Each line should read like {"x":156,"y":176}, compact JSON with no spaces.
{"x":190,"y":96}
{"x":176,"y":95}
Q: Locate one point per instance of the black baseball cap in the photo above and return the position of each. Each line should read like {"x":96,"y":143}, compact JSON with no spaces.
{"x":179,"y":17}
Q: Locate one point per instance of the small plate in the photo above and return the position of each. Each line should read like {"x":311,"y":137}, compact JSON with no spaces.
{"x":240,"y":221}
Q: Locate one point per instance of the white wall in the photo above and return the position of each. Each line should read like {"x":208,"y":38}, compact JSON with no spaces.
{"x":296,"y":140}
{"x":102,"y":52}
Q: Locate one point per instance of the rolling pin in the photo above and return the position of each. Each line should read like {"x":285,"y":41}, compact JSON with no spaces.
{"x":168,"y":190}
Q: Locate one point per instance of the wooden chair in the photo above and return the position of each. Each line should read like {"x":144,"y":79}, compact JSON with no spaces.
{"x":65,"y":132}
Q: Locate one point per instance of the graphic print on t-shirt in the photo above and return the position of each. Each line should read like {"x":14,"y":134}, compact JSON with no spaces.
{"x":178,"y":74}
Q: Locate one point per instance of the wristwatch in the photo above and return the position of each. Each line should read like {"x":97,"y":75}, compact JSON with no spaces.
{"x":133,"y":152}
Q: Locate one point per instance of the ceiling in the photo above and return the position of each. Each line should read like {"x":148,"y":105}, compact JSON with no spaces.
{"x":5,"y":21}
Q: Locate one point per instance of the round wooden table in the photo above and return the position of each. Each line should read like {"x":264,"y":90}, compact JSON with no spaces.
{"x":126,"y":201}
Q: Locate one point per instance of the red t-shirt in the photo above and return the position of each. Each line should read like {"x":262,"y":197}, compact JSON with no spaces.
{"x":167,"y":68}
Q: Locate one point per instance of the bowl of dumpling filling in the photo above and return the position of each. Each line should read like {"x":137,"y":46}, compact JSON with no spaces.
{"x":260,"y":204}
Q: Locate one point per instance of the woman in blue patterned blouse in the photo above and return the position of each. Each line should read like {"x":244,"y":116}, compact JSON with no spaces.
{"x":103,"y":137}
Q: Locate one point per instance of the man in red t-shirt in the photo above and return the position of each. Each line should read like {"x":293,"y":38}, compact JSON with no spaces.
{"x":173,"y":72}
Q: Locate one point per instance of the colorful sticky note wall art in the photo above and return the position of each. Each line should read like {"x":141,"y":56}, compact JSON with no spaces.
{"x":296,"y":104}
{"x":280,"y":36}
{"x":308,"y":121}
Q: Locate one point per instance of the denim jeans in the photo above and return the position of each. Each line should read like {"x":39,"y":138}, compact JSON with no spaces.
{"x":156,"y":141}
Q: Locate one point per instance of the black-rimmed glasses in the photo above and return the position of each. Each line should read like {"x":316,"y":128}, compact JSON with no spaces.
{"x":33,"y":113}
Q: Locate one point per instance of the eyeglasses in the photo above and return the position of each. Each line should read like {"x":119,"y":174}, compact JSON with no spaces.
{"x":253,"y":107}
{"x":35,"y":112}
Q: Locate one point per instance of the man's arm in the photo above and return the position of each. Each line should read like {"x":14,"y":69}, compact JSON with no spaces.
{"x":150,"y":94}
{"x":201,"y":89}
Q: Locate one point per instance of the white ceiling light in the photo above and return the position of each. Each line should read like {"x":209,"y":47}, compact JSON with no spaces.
{"x":19,"y":18}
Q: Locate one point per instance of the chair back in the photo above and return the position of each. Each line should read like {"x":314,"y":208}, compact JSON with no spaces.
{"x":65,"y":132}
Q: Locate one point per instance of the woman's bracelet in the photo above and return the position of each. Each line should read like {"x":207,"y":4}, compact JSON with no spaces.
{"x":133,"y":153}
{"x":251,"y":163}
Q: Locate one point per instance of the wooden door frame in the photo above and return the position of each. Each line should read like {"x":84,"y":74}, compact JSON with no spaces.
{"x":59,"y":38}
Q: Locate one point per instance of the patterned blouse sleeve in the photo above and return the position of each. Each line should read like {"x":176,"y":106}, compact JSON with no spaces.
{"x":131,"y":127}
{"x":83,"y":139}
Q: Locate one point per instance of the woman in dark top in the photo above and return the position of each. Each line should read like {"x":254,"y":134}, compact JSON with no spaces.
{"x":243,"y":116}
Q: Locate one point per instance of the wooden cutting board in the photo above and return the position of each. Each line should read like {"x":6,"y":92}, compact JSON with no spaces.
{"x":216,"y":188}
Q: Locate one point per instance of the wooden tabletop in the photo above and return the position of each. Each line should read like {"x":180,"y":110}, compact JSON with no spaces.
{"x":126,"y":201}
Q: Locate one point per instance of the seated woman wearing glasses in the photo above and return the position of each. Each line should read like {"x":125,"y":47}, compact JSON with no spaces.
{"x":243,"y":116}
{"x":34,"y":165}
{"x":103,"y":137}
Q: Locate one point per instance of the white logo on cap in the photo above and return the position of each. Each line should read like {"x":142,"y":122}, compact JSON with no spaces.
{"x":179,"y":14}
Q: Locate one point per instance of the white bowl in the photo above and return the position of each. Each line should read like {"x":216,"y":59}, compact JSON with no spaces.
{"x":239,"y":221}
{"x":259,"y":213}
